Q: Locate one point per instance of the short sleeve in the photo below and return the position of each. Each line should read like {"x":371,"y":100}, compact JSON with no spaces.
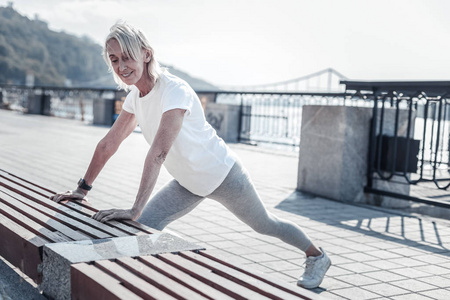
{"x":180,"y":96}
{"x":128,"y":104}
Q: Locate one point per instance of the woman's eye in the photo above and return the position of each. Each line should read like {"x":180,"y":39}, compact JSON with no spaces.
{"x":114,"y":61}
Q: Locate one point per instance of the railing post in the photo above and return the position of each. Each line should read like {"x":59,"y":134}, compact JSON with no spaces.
{"x":1,"y":99}
{"x":372,"y":143}
{"x":241,"y":116}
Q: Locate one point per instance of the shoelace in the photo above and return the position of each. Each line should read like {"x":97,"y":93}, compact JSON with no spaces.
{"x":309,"y":264}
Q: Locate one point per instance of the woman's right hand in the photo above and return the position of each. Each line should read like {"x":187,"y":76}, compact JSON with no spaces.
{"x":75,"y":195}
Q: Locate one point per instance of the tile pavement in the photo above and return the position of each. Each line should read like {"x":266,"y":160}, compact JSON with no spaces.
{"x":376,"y":254}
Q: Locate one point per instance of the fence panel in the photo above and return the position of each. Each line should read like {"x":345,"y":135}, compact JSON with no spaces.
{"x":409,"y":143}
{"x":275,"y":118}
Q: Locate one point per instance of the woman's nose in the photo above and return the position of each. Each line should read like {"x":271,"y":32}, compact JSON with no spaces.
{"x":122,"y":66}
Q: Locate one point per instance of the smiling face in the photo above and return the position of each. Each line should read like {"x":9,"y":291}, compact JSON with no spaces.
{"x":129,"y":70}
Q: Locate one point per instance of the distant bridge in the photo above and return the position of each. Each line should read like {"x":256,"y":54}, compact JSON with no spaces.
{"x":327,"y":80}
{"x":324,"y":81}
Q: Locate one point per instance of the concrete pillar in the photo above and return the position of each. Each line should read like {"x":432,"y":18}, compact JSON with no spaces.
{"x":333,"y":151}
{"x":225,"y":119}
{"x":333,"y":160}
{"x":38,"y":103}
{"x":104,"y":111}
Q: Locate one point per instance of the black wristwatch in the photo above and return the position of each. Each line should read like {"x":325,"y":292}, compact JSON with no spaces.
{"x":82,"y":184}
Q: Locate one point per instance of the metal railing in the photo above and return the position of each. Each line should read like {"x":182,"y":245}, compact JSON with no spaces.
{"x":275,"y":117}
{"x":64,"y":102}
{"x":266,"y":117}
{"x":409,"y":139}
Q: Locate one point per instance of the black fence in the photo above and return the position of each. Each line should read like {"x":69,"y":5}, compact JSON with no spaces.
{"x":266,"y":117}
{"x":409,"y":139}
{"x":275,"y":117}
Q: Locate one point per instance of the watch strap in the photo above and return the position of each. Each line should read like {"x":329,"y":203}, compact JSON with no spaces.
{"x":82,"y":184}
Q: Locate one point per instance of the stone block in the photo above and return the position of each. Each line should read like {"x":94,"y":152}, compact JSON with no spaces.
{"x":225,"y":119}
{"x":38,"y":104}
{"x":333,"y":151}
{"x":334,"y":147}
{"x":104,"y":111}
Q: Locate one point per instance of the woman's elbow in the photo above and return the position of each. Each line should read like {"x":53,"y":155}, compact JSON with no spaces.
{"x":106,"y":147}
{"x":160,"y":157}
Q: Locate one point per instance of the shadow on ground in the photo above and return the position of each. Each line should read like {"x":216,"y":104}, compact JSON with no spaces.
{"x":409,"y":231}
{"x":12,"y":286}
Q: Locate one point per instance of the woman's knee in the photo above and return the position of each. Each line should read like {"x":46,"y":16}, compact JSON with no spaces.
{"x":267,"y":226}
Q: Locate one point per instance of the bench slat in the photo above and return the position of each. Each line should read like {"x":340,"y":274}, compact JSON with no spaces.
{"x":67,"y":219}
{"x":185,"y":279}
{"x":132,"y":282}
{"x":29,"y":224}
{"x":281,"y":285}
{"x":24,"y":183}
{"x":88,"y":282}
{"x":139,"y":226}
{"x":75,"y":206}
{"x":108,"y":231}
{"x":203,"y":274}
{"x":125,"y":227}
{"x":157,"y":279}
{"x":46,"y":220}
{"x":240,"y":278}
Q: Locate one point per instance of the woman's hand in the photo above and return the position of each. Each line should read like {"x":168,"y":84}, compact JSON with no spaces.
{"x":115,"y":214}
{"x":76,"y":195}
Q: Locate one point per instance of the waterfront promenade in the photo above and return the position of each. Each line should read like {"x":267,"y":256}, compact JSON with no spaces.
{"x":376,"y":254}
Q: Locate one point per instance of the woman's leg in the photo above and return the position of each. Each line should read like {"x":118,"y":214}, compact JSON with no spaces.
{"x":170,"y":203}
{"x":238,"y":195}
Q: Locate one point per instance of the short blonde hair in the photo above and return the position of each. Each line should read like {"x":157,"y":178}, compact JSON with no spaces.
{"x":132,"y":41}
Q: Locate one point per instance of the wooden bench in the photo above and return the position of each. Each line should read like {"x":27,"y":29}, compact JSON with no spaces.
{"x":29,"y":222}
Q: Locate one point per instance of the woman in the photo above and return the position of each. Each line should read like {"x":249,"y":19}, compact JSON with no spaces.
{"x":173,"y":123}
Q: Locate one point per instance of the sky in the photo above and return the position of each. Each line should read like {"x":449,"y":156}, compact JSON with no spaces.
{"x":249,"y":42}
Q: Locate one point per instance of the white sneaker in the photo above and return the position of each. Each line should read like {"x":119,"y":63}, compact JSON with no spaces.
{"x":316,"y":267}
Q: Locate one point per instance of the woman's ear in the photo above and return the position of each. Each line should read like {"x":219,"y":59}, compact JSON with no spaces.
{"x":147,"y":56}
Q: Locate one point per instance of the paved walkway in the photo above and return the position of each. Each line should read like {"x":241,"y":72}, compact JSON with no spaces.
{"x":376,"y":254}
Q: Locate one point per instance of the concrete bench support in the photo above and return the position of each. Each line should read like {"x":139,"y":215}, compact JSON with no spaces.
{"x":59,"y":257}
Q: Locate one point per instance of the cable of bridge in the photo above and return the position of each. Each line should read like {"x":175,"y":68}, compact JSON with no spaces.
{"x":330,"y":71}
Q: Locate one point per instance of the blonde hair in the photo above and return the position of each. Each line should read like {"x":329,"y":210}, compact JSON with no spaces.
{"x":132,"y":42}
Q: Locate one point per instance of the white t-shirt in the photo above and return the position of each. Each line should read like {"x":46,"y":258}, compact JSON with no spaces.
{"x":199,"y":160}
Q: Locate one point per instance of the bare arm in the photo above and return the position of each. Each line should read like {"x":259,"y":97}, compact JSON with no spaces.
{"x":168,"y":130}
{"x":122,"y":128}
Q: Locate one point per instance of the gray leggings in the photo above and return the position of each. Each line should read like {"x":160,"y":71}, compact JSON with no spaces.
{"x":237,"y":194}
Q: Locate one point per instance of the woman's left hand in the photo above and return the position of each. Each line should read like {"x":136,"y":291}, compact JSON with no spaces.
{"x":115,"y":214}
